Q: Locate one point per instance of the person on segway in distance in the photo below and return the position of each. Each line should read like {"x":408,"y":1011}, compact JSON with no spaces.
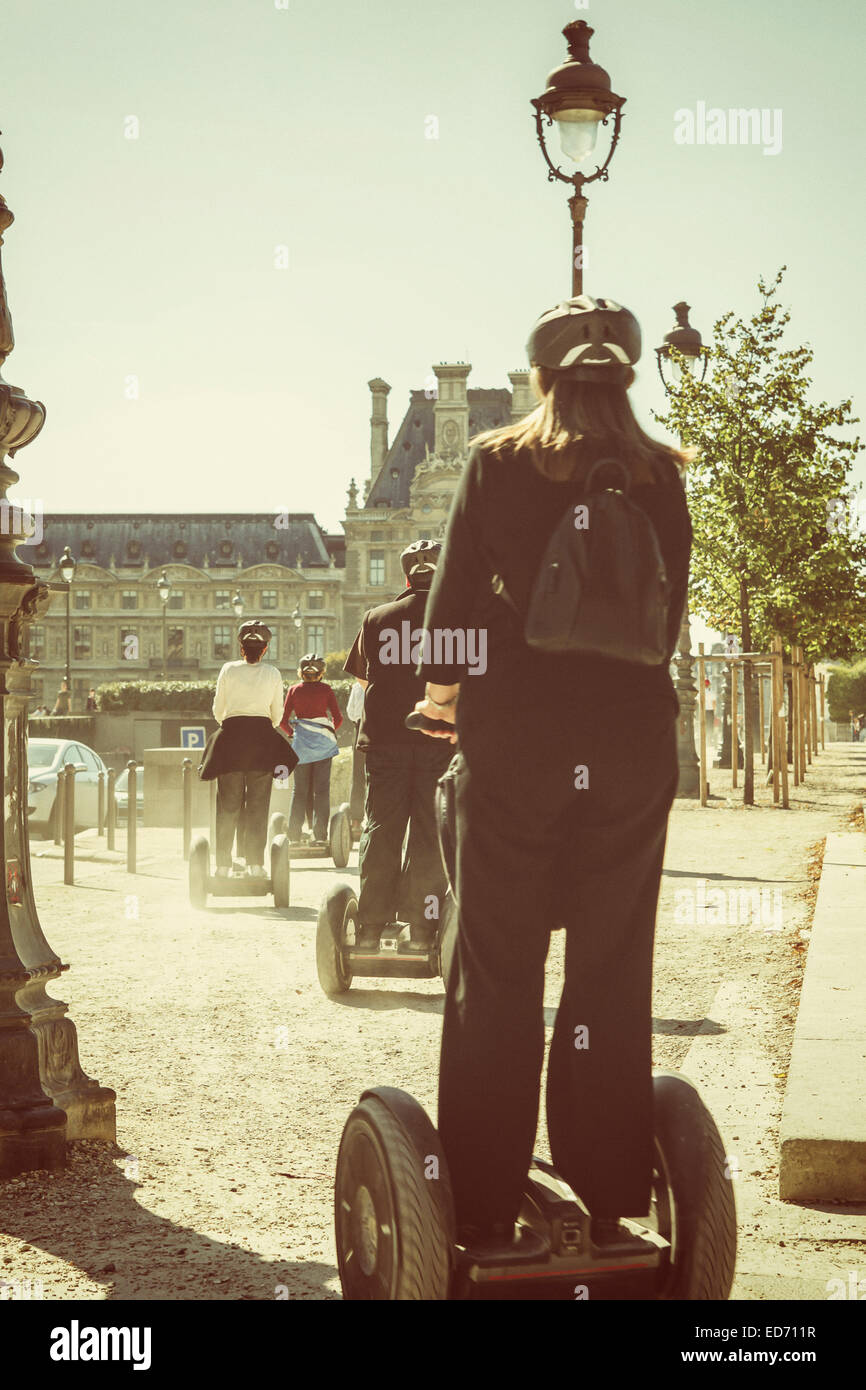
{"x":247,"y":751}
{"x":566,"y":773}
{"x":311,"y":718}
{"x":401,"y":769}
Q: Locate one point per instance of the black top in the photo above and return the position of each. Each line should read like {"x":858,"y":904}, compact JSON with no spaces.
{"x":385,"y":654}
{"x":502,"y":516}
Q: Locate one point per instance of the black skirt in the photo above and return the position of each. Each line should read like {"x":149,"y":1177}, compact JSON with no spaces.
{"x":247,"y":743}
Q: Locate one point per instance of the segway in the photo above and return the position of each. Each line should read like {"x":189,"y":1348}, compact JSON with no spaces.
{"x":202,"y":882}
{"x":339,"y":843}
{"x":340,"y":957}
{"x":394,"y":1213}
{"x":396,"y":1235}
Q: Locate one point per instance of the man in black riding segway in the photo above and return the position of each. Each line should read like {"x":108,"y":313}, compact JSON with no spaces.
{"x":401,"y":769}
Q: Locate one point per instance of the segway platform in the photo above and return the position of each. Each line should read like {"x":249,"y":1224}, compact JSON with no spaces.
{"x":339,"y":843}
{"x":339,"y":957}
{"x":396,"y":1232}
{"x":203,"y":883}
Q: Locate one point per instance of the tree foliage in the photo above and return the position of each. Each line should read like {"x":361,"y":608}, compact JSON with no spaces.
{"x":846,"y":691}
{"x":772,"y":502}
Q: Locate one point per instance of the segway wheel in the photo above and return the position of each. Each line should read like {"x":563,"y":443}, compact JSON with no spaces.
{"x":280,"y":870}
{"x":340,"y":836}
{"x":695,"y":1204}
{"x":199,"y":871}
{"x":277,"y":825}
{"x":394,"y":1213}
{"x":339,"y":908}
{"x":447,"y":937}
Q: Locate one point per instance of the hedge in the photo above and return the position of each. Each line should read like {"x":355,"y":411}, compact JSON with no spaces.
{"x":846,"y":690}
{"x":170,"y":697}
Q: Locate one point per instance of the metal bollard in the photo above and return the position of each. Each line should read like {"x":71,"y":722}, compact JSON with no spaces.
{"x":131,"y":816}
{"x":111,"y":820}
{"x":187,"y":806}
{"x":69,"y":825}
{"x":100,"y":804}
{"x":58,"y":806}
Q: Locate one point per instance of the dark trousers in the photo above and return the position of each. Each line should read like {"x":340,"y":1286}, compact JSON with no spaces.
{"x":534,"y":852}
{"x":356,"y":799}
{"x":312,"y":781}
{"x":243,"y":799}
{"x":401,"y":788}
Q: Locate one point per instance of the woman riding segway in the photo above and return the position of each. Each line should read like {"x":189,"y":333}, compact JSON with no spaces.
{"x":566,"y":776}
{"x":247,"y":751}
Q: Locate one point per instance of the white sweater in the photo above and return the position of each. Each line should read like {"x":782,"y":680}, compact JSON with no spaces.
{"x":243,"y":688}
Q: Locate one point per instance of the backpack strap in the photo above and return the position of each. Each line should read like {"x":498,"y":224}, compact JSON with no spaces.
{"x":497,"y":584}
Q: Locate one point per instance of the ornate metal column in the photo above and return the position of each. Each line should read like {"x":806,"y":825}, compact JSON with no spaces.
{"x":685,"y":341}
{"x":45,"y":1097}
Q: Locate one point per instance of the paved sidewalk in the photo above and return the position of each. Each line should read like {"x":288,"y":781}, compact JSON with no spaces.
{"x":235,"y":1073}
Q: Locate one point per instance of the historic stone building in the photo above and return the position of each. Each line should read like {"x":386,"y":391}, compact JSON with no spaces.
{"x":411,"y":483}
{"x":283,"y":568}
{"x":311,"y":587}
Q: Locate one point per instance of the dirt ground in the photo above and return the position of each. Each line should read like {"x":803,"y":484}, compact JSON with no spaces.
{"x":235,"y":1073}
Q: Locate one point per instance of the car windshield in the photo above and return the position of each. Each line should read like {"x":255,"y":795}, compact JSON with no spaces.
{"x":41,"y":754}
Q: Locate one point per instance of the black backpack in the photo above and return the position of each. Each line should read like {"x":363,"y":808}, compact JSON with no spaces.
{"x":602,"y":588}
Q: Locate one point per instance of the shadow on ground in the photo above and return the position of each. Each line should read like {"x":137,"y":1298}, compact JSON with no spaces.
{"x":87,"y":1215}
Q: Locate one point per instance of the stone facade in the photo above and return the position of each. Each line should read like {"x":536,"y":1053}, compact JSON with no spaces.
{"x":312,"y":588}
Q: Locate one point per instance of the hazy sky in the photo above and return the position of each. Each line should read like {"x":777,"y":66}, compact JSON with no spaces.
{"x":305,"y":126}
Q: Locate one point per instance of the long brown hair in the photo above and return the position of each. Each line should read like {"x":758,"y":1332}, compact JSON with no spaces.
{"x":577,"y":422}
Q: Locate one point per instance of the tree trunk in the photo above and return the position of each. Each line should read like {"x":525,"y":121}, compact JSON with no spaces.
{"x":748,"y":701}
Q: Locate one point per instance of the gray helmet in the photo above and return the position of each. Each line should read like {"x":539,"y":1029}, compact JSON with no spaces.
{"x":312,"y":666}
{"x":587,"y":339}
{"x":419,"y":560}
{"x":255,"y":631}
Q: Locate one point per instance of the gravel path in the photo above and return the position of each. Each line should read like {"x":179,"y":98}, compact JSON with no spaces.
{"x":234,"y":1073}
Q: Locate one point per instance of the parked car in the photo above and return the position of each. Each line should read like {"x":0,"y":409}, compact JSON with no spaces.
{"x":45,"y":758}
{"x":121,"y":795}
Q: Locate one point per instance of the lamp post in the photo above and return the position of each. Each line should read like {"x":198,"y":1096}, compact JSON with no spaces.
{"x":684,"y":342}
{"x":238,"y":605}
{"x":45,"y":1097}
{"x":163,"y":587}
{"x":297,"y":620}
{"x":67,"y":568}
{"x":578,"y":97}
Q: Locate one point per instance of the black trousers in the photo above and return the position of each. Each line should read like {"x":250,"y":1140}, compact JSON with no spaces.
{"x":401,"y":788}
{"x":535,"y":852}
{"x":312,"y":783}
{"x":243,"y":799}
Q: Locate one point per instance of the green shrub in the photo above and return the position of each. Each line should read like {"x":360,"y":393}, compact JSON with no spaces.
{"x":171,"y":697}
{"x":334,"y":662}
{"x":846,"y":690}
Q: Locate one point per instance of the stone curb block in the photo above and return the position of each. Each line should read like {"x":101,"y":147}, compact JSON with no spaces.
{"x":823,"y":1133}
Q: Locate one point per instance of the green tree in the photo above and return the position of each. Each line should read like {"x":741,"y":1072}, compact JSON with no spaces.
{"x":770,"y":495}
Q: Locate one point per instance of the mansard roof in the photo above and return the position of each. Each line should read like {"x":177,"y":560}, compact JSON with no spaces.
{"x":215,"y":540}
{"x":488,"y":407}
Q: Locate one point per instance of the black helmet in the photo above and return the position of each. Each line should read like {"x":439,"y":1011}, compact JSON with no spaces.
{"x":312,"y":666}
{"x":255,"y":631}
{"x":419,"y":560}
{"x":589,"y":339}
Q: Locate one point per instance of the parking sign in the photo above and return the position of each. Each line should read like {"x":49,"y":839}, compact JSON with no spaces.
{"x":192,"y":737}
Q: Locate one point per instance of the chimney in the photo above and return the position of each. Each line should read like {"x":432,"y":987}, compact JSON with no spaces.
{"x":378,"y":426}
{"x":522,"y":398}
{"x":451,"y":410}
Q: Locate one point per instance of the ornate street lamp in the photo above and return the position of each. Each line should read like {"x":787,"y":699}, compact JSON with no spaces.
{"x":163,"y":588}
{"x":682,"y":350}
{"x":67,"y":567}
{"x":579,"y":98}
{"x":45,"y":1097}
{"x":238,"y":605}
